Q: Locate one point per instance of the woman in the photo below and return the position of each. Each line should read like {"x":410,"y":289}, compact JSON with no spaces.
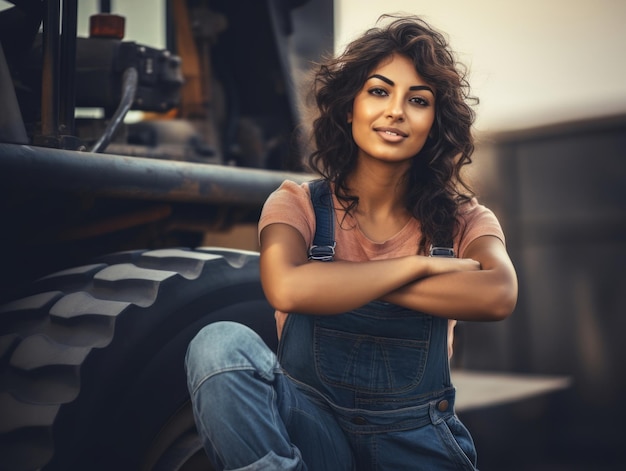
{"x":362,"y":378}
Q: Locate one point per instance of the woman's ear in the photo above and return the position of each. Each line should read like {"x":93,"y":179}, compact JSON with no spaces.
{"x":350,"y":117}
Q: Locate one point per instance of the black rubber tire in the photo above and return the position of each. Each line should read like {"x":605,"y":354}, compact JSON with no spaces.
{"x":92,"y":373}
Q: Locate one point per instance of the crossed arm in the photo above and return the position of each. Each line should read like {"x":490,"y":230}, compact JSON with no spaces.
{"x":480,"y":287}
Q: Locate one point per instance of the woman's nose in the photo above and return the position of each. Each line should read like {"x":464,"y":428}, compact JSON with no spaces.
{"x":395,"y":110}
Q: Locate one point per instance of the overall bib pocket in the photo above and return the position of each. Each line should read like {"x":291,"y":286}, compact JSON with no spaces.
{"x":372,"y":352}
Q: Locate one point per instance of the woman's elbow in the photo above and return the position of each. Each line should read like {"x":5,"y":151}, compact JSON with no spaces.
{"x":502,"y":303}
{"x":280,"y":297}
{"x":503,"y":310}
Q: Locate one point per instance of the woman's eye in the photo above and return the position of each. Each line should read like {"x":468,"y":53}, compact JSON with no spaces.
{"x":419,"y":101}
{"x":378,"y":92}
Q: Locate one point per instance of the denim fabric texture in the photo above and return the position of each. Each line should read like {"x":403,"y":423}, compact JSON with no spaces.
{"x":365,"y":390}
{"x":250,"y":415}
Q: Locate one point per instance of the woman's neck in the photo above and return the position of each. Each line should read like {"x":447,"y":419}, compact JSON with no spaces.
{"x":381,"y":210}
{"x":380,"y":188}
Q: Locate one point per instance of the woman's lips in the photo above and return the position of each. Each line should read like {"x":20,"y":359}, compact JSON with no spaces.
{"x":391,"y":134}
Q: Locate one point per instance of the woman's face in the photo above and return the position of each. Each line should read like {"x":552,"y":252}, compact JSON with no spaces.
{"x":393,"y":112}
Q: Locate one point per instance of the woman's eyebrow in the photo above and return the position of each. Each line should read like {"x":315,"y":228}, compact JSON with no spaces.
{"x":383,"y":78}
{"x":422,"y":87}
{"x":391,"y":83}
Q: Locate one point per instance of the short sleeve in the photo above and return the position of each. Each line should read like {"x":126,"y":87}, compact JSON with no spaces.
{"x":477,"y":221}
{"x":290,"y":204}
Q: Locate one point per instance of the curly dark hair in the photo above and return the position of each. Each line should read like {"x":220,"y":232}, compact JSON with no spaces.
{"x":436,"y":188}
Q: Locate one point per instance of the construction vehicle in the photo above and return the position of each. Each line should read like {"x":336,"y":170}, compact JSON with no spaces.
{"x":118,"y":210}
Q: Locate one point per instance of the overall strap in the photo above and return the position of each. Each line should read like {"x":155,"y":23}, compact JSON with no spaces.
{"x":443,"y":247}
{"x":442,"y":250}
{"x":323,"y":248}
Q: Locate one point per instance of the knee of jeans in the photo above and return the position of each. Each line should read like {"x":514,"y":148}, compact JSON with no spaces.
{"x":228,"y":346}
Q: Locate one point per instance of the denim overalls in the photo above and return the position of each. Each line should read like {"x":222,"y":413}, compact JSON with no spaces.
{"x":367,"y":390}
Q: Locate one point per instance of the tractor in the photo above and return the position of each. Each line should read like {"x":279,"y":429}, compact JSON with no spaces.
{"x":132,"y":176}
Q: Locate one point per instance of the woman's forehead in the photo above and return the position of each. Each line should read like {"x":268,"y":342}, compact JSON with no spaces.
{"x":400,"y":66}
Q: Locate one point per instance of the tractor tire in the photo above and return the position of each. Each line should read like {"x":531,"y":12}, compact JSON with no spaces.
{"x":92,"y":363}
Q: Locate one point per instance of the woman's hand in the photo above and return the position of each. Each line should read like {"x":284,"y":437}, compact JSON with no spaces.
{"x":487,"y":294}
{"x":440,"y":265}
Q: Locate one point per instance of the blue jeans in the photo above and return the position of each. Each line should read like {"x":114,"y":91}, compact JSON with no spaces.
{"x":252,"y":416}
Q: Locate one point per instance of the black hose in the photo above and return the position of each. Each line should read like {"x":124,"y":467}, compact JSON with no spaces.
{"x":129,"y":88}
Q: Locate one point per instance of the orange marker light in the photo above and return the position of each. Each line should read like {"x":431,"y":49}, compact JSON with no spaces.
{"x":106,"y":25}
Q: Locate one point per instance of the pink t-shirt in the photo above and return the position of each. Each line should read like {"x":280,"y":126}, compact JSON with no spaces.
{"x":291,"y":204}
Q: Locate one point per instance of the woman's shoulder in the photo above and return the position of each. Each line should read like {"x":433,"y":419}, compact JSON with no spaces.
{"x":477,"y":220}
{"x":474,"y":213}
{"x":290,"y":204}
{"x":473,"y":208}
{"x":290,"y":190}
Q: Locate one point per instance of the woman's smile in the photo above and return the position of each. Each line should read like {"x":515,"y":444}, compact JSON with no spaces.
{"x":391,"y":134}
